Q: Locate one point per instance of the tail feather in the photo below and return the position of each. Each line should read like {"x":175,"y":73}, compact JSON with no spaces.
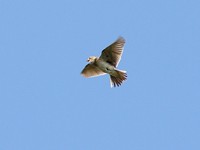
{"x":117,"y":81}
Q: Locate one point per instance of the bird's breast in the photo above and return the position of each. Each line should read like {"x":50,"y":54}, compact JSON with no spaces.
{"x":104,"y":66}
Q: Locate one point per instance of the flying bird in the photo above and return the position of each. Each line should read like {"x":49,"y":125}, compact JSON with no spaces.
{"x":107,"y":63}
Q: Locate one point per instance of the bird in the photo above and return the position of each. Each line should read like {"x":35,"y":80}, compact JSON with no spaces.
{"x":107,"y":63}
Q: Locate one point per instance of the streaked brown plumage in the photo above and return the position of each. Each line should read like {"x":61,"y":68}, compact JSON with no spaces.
{"x":107,"y":63}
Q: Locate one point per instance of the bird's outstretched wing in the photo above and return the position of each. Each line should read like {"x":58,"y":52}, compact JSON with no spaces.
{"x":112,"y":54}
{"x":91,"y":71}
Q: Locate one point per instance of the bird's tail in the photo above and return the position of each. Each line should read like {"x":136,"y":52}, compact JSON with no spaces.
{"x":118,"y":80}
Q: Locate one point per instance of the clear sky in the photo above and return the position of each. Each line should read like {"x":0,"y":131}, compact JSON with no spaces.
{"x":45,"y":104}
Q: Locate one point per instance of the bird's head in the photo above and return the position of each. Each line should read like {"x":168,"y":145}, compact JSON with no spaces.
{"x":91,"y":59}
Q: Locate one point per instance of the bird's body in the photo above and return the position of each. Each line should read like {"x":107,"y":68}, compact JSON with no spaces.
{"x":106,"y":63}
{"x":104,"y":66}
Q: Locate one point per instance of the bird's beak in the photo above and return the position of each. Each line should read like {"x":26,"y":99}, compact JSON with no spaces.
{"x":88,"y":60}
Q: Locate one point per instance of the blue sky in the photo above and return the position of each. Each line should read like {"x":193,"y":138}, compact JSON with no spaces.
{"x":46,"y":104}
